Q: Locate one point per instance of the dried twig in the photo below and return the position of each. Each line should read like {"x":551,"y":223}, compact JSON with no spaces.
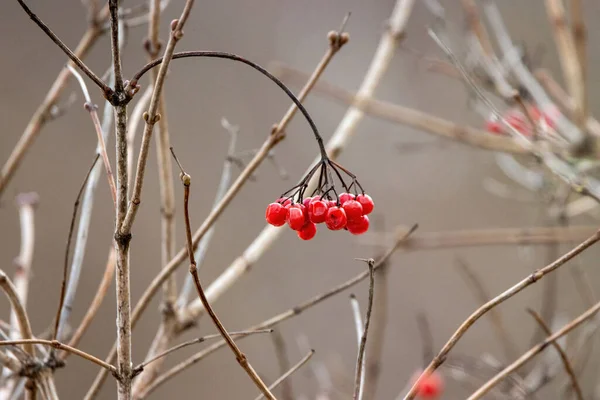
{"x":202,"y":339}
{"x":534,"y":351}
{"x":61,"y":346}
{"x":359,"y":377}
{"x":92,"y":109}
{"x":561,"y":352}
{"x":531,"y":279}
{"x":106,"y":90}
{"x":152,"y":117}
{"x":10,"y":291}
{"x":240,"y":357}
{"x":283,"y":377}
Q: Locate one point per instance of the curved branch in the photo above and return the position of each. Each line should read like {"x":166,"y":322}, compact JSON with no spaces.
{"x":235,"y":57}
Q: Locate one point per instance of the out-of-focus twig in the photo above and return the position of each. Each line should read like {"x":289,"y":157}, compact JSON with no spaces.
{"x":513,"y":290}
{"x":534,"y":351}
{"x":561,"y":352}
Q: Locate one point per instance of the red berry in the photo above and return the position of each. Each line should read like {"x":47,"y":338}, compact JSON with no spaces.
{"x":276,"y":214}
{"x":518,"y":122}
{"x":331,"y":203}
{"x":317,"y":211}
{"x":358,"y":226}
{"x":296,"y":217}
{"x":306,"y":201}
{"x":353,"y":209}
{"x":429,"y":386}
{"x":336,"y":218}
{"x":308,"y":231}
{"x":344,"y":197}
{"x":366,"y":202}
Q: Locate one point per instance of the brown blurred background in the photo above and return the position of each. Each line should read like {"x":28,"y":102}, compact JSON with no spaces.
{"x":440,"y":188}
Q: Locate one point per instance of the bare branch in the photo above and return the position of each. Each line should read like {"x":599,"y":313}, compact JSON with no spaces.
{"x":359,"y":378}
{"x":531,"y":279}
{"x":563,"y":355}
{"x":534,"y":351}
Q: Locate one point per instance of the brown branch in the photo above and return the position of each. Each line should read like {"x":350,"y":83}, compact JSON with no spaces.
{"x":407,"y":116}
{"x":477,"y":27}
{"x":283,"y":377}
{"x":106,"y":91}
{"x":202,"y":339}
{"x":359,"y":371}
{"x":165,"y":333}
{"x":152,"y":116}
{"x":92,"y":109}
{"x":531,"y":279}
{"x":489,"y":385}
{"x":23,"y":320}
{"x":239,"y":356}
{"x":561,"y":352}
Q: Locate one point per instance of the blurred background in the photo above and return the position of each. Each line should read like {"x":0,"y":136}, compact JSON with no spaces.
{"x":439,"y":186}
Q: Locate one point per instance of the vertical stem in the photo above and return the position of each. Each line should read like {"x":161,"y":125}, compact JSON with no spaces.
{"x":122,"y":277}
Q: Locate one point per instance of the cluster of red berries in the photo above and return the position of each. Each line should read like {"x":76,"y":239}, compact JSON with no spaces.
{"x":519,"y":121}
{"x":429,"y":386}
{"x":348,"y":212}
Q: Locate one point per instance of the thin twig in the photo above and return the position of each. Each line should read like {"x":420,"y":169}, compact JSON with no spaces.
{"x":61,"y":346}
{"x":359,"y":377}
{"x":23,"y":320}
{"x":283,"y":377}
{"x":63,"y":285}
{"x":240,"y":357}
{"x":201,"y":339}
{"x":152,"y":116}
{"x":531,"y":279}
{"x":489,"y":385}
{"x":92,"y":109}
{"x":107,"y":91}
{"x":561,"y":352}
